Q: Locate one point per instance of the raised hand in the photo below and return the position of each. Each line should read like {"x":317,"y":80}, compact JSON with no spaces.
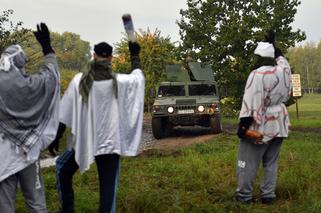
{"x":270,"y":37}
{"x":43,"y":37}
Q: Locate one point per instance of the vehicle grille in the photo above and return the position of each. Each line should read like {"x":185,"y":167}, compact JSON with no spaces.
{"x":180,"y":107}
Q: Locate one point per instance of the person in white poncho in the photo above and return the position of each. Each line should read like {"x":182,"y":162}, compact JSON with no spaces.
{"x":263,"y":111}
{"x":105,"y":112}
{"x":29,"y":106}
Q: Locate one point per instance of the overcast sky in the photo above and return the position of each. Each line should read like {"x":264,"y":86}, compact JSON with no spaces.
{"x":100,"y":20}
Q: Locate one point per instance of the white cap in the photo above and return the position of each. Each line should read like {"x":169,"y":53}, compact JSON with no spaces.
{"x":264,"y":49}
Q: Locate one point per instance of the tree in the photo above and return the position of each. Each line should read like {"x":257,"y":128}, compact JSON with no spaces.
{"x":72,"y":52}
{"x":224,"y":33}
{"x":156,"y":52}
{"x":10,"y":32}
{"x":306,"y":61}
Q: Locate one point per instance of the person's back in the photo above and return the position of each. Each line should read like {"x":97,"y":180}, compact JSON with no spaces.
{"x":266,"y":90}
{"x":264,"y":122}
{"x":105,"y":114}
{"x":28,"y":122}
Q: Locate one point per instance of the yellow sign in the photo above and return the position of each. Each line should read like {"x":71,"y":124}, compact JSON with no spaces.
{"x":296,"y":85}
{"x":297,"y":94}
{"x":296,"y":82}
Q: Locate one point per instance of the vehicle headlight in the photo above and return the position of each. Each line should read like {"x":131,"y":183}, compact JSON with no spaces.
{"x":201,"y":108}
{"x":170,"y":109}
{"x":156,"y":108}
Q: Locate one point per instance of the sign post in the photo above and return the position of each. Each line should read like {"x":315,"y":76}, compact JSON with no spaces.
{"x":296,"y":90}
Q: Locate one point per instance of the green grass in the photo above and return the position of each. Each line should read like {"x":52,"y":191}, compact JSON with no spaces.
{"x":202,"y":178}
{"x":309,"y":112}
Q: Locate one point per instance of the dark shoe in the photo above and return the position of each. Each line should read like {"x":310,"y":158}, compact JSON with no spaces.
{"x":267,"y":200}
{"x":242,"y":201}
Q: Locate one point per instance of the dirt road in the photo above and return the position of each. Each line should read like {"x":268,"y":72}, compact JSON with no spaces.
{"x":179,"y":137}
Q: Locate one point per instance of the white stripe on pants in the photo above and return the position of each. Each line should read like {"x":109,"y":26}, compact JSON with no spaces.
{"x":32,"y":188}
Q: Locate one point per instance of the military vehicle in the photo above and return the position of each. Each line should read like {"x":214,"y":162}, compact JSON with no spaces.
{"x":188,"y":97}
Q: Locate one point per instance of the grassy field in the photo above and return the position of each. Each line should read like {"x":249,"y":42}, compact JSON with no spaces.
{"x":309,"y":111}
{"x":202,"y":178}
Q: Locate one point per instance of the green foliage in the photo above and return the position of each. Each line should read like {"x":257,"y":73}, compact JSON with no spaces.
{"x":224,"y":33}
{"x":10,"y":33}
{"x":72,"y":53}
{"x":229,"y":107}
{"x":65,"y":77}
{"x":156,"y":52}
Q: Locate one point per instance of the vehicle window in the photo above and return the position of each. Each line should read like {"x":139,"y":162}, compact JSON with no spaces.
{"x":172,"y":90}
{"x":201,"y":89}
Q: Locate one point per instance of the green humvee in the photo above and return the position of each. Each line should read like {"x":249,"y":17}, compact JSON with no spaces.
{"x":188,"y":98}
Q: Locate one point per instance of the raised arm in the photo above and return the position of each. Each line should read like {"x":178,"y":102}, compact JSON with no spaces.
{"x":134,"y":50}
{"x":43,"y":37}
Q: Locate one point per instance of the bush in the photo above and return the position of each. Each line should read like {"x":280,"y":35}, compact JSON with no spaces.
{"x":230,"y":107}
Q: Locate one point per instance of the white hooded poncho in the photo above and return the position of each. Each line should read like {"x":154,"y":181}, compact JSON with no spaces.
{"x":29,"y":107}
{"x":107,"y":125}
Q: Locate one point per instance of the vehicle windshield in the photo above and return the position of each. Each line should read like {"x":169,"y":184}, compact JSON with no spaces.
{"x":171,"y":90}
{"x":201,"y":89}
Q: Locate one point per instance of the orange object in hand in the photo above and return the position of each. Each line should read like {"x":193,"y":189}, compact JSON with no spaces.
{"x":254,"y":134}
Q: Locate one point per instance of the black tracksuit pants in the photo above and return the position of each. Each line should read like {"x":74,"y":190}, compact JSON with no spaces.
{"x":108,"y":170}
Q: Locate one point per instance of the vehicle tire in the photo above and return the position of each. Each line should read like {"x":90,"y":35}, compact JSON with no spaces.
{"x":215,"y":124}
{"x":158,"y":127}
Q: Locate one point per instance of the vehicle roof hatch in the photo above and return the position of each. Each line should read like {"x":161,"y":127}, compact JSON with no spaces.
{"x":201,"y":73}
{"x":177,"y":73}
